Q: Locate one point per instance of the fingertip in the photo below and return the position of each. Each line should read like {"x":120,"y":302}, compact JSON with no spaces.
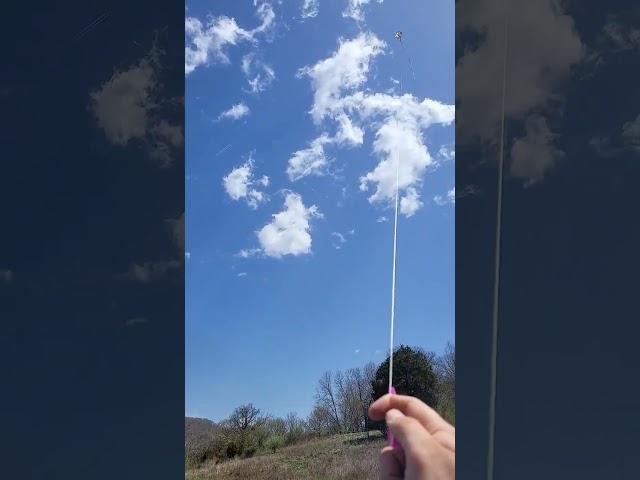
{"x":393,"y":415}
{"x":378,"y":408}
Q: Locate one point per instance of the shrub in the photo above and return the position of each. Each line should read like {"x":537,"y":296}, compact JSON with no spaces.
{"x":274,"y":442}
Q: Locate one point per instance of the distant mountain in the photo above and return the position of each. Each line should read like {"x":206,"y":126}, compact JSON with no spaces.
{"x":199,"y":436}
{"x":199,"y":428}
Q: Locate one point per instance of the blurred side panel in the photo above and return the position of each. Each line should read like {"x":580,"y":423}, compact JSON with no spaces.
{"x":547,"y":91}
{"x":92,"y":242}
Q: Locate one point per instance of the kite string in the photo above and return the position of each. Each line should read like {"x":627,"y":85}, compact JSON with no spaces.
{"x":393,"y":271}
{"x":413,"y":74}
{"x":393,"y":278}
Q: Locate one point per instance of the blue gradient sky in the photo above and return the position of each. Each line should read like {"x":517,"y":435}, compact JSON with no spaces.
{"x":263,"y":330}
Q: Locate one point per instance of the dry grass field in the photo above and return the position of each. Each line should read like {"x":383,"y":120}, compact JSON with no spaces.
{"x":344,"y":457}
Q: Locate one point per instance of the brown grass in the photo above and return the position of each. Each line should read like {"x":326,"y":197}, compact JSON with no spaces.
{"x":343,"y":457}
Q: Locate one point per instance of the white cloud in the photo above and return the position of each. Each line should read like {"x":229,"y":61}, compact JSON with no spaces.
{"x":450,"y":198}
{"x":207,"y":43}
{"x":129,"y":108}
{"x":356,"y":351}
{"x":187,"y":255}
{"x":399,"y":143}
{"x":242,"y":274}
{"x":534,"y":154}
{"x":313,"y":160}
{"x":446,"y":153}
{"x":309,"y":161}
{"x":337,"y":239}
{"x":631,"y":133}
{"x":149,"y":272}
{"x":398,"y":121}
{"x":132,"y":322}
{"x":348,"y":133}
{"x":6,"y":277}
{"x":288,"y":232}
{"x":410,"y":203}
{"x":354,"y":9}
{"x":247,"y":253}
{"x":310,"y":8}
{"x":266,"y":14}
{"x":548,"y":47}
{"x":121,"y":104}
{"x":235,"y":112}
{"x":623,"y":37}
{"x":259,"y":74}
{"x":239,"y":185}
{"x":382,"y":219}
{"x":345,"y":69}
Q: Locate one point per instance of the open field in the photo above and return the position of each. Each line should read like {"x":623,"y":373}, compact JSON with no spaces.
{"x":350,"y":456}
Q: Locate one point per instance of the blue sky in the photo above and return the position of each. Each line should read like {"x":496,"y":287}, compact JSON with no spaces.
{"x":272,"y":302}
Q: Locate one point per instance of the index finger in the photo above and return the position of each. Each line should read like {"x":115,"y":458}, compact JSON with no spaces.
{"x":411,"y":407}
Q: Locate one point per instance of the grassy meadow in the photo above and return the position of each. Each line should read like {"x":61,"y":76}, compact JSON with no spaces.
{"x":348,"y":456}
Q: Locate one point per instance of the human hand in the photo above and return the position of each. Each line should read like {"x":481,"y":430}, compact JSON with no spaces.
{"x":428,"y":442}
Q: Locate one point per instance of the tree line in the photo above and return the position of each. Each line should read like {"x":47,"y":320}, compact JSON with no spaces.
{"x":342,"y":399}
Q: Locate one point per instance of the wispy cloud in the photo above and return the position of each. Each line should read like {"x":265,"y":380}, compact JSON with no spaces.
{"x":345,"y":69}
{"x":223,"y":149}
{"x":355,"y":9}
{"x":235,"y":112}
{"x":309,"y":161}
{"x":631,"y":133}
{"x":259,"y":74}
{"x":337,"y":240}
{"x":248,"y":253}
{"x":310,"y":8}
{"x":448,"y":199}
{"x":207,"y":43}
{"x":446,"y":154}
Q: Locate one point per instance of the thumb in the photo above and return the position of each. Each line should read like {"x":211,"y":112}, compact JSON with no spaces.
{"x":409,"y":432}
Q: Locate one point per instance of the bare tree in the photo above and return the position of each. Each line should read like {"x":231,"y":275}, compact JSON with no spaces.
{"x":446,"y":372}
{"x":276,"y":426}
{"x":320,"y":421}
{"x":447,"y":362}
{"x":343,"y":398}
{"x":326,"y":397}
{"x":361,"y":380}
{"x":244,"y":418}
{"x":295,"y":427}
